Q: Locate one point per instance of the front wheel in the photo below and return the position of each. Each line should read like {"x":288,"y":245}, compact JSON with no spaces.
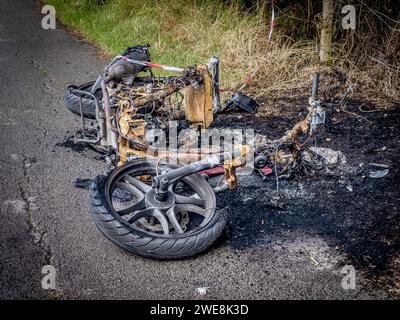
{"x":126,"y":211}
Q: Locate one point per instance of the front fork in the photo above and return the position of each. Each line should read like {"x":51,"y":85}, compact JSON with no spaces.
{"x":236,"y":159}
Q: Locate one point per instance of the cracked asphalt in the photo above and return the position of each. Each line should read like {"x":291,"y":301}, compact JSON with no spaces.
{"x":45,"y":220}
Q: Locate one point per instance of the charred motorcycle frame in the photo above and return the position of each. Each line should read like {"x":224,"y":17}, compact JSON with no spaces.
{"x":156,"y":202}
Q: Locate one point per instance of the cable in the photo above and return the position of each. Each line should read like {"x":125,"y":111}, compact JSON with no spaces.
{"x":276,"y":166}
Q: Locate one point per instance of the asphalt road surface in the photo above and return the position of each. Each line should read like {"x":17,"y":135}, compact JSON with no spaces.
{"x":45,"y":220}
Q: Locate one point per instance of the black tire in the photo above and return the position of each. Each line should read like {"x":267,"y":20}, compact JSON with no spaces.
{"x":88,"y":104}
{"x":141,"y":243}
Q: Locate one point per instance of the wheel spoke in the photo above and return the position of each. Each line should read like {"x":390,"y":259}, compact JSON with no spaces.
{"x":137,"y":206}
{"x":137,"y":183}
{"x":132,"y":189}
{"x":191,"y":208}
{"x":140,"y":203}
{"x":151,"y":212}
{"x":189,"y":200}
{"x":171,"y":214}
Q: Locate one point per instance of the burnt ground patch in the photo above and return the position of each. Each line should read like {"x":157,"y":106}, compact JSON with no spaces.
{"x":357,"y":214}
{"x":68,"y":142}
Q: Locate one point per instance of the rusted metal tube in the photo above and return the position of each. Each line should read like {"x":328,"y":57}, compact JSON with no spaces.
{"x":107,"y":108}
{"x":171,"y":88}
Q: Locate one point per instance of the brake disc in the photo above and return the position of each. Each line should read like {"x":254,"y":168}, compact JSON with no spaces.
{"x":156,"y":227}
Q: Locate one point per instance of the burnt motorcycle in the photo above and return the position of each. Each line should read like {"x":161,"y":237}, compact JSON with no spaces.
{"x":157,"y":201}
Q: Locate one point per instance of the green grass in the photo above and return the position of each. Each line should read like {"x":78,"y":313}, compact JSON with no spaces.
{"x":180,"y":32}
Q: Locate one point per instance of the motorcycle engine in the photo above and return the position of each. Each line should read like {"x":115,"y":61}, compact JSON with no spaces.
{"x":149,"y":122}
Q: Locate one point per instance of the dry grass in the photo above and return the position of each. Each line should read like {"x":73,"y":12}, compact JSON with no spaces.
{"x":183,"y":32}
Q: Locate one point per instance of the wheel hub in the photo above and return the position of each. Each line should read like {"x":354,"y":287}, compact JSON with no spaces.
{"x":152,"y":200}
